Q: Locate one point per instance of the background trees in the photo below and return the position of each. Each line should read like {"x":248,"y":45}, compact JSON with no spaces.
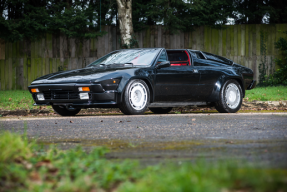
{"x":81,"y":18}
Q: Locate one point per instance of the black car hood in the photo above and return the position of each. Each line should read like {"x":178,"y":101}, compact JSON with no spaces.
{"x":85,"y":75}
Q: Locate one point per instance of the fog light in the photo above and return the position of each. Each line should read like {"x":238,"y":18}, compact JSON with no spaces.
{"x":40,"y":96}
{"x":84,"y":96}
{"x":35,"y":90}
{"x":84,"y":88}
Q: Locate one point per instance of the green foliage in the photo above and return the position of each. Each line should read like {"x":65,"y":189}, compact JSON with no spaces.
{"x":29,"y":19}
{"x":35,"y":169}
{"x":263,"y":65}
{"x":259,"y":11}
{"x":180,"y":15}
{"x":280,"y":75}
{"x":18,"y":147}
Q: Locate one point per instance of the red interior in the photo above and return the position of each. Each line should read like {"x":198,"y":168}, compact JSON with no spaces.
{"x":181,"y":63}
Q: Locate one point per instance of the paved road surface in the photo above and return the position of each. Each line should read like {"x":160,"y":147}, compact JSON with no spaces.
{"x":260,"y":138}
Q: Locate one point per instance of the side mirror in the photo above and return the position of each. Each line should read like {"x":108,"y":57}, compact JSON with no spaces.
{"x":163,"y":64}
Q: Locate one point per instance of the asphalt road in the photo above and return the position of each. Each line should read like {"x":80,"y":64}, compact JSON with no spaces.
{"x":259,"y":138}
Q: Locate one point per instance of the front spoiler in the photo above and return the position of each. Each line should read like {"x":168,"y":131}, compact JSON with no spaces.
{"x":108,"y":104}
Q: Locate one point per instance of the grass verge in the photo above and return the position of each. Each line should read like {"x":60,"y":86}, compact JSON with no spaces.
{"x":267,"y":94}
{"x":26,"y":167}
{"x":20,"y":99}
{"x":17,"y":100}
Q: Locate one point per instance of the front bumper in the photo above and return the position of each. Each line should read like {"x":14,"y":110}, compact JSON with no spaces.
{"x":68,"y":95}
{"x":251,"y":85}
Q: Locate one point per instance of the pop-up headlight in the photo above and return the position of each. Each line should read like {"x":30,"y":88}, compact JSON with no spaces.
{"x":110,"y":84}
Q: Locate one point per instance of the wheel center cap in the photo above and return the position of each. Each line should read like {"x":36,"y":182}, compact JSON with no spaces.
{"x":232,"y":96}
{"x":137,"y":96}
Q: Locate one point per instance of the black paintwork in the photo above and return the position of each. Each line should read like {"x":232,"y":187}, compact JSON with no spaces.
{"x":200,"y":81}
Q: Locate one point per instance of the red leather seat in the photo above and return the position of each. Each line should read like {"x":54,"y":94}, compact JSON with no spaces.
{"x":178,"y":63}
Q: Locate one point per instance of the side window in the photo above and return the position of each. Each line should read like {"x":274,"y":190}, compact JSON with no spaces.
{"x":197,"y":54}
{"x":193,"y":54}
{"x":162,"y":57}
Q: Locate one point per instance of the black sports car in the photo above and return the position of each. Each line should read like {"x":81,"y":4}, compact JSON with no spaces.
{"x":155,"y":78}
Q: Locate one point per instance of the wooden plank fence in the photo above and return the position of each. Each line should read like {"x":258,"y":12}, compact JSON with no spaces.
{"x":22,"y":62}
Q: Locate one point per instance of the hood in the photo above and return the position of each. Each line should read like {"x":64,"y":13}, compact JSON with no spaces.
{"x":85,"y":75}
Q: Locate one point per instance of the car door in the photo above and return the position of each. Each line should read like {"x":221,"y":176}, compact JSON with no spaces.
{"x":210,"y":72}
{"x":176,"y":83}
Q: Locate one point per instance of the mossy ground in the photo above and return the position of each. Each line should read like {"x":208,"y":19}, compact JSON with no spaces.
{"x":28,"y":167}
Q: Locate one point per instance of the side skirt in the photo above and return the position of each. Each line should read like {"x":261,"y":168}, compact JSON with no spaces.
{"x":177,"y":104}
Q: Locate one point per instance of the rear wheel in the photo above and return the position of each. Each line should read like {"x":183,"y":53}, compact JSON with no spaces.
{"x":161,"y":110}
{"x":230,"y":97}
{"x":64,"y":111}
{"x":136,"y":98}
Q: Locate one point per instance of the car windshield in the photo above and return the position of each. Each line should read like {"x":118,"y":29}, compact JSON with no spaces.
{"x":130,"y":56}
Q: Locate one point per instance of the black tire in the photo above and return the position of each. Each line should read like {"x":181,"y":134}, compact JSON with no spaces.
{"x":138,"y":104}
{"x":62,"y":110}
{"x":232,"y":89}
{"x":161,"y":110}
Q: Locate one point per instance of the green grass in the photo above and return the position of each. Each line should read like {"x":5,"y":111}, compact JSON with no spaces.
{"x":267,"y":93}
{"x":24,"y":166}
{"x":16,"y":100}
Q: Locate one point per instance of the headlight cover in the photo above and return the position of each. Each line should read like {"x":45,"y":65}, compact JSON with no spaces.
{"x":111,"y":84}
{"x":40,"y":97}
{"x":84,"y":95}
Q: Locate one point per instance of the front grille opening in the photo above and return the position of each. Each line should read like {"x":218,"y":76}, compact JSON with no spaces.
{"x":59,"y":94}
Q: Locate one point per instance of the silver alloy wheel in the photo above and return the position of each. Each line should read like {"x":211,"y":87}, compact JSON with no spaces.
{"x":232,"y":96}
{"x":138,"y":96}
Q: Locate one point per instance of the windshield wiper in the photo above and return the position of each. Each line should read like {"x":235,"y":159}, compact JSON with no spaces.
{"x":129,"y":64}
{"x":118,"y":65}
{"x":98,"y":65}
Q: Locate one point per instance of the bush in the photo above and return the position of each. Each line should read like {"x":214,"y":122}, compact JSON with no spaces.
{"x":280,"y":75}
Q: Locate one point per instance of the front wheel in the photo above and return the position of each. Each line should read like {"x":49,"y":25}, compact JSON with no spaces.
{"x":160,"y":110}
{"x":64,"y":111}
{"x":230,"y":97}
{"x":136,"y":98}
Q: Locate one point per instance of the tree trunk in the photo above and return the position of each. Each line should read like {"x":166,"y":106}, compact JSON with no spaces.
{"x":125,"y":21}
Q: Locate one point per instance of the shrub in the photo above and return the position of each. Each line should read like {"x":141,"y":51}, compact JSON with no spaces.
{"x":280,"y":75}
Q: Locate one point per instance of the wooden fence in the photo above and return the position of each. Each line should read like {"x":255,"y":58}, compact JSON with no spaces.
{"x":22,"y":62}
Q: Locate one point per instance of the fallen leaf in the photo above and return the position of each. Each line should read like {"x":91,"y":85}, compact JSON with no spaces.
{"x":71,"y":121}
{"x":120,"y":121}
{"x":43,"y":163}
{"x":34,"y":176}
{"x":102,"y":121}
